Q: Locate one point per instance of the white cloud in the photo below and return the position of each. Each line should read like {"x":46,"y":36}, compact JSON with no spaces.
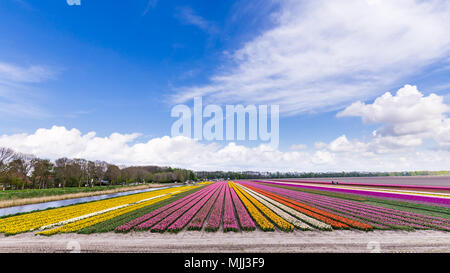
{"x":323,"y":54}
{"x":17,"y":95}
{"x":30,"y":74}
{"x":188,"y":16}
{"x":407,"y":118}
{"x":322,"y":157}
{"x":298,"y":147}
{"x":150,"y":5}
{"x":342,"y":144}
{"x":73,"y":2}
{"x":125,"y":149}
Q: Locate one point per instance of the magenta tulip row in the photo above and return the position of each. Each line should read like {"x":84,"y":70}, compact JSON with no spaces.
{"x":163,"y":220}
{"x":379,"y":217}
{"x":229,"y":219}
{"x":246,"y":222}
{"x":413,"y":198}
{"x":197,"y":222}
{"x":163,"y":211}
{"x":211,"y":205}
{"x":182,"y":217}
{"x":370,"y":184}
{"x":213,"y":223}
{"x":355,"y":209}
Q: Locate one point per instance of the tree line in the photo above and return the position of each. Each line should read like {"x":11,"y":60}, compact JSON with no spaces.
{"x":24,"y":171}
{"x":275,"y":175}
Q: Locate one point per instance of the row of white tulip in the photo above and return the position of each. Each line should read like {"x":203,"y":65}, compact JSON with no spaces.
{"x":305,"y":218}
{"x":65,"y":222}
{"x":297,"y":223}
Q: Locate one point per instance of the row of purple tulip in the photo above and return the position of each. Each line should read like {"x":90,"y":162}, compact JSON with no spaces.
{"x":246,"y":222}
{"x":395,"y":214}
{"x":163,"y":220}
{"x":408,"y":219}
{"x":184,"y":216}
{"x":356,"y":209}
{"x":162,"y":211}
{"x":413,"y":198}
{"x":213,"y":223}
{"x":197,"y":222}
{"x":370,"y":184}
{"x":229,"y":219}
{"x":379,"y":217}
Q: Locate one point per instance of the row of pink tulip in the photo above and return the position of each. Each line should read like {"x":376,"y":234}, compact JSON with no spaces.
{"x":379,"y":217}
{"x":229,"y":219}
{"x":163,"y":220}
{"x":245,"y":220}
{"x":161,"y":212}
{"x":213,"y":223}
{"x":184,"y":215}
{"x":197,"y":222}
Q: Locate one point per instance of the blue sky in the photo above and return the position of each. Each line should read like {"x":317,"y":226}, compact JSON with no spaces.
{"x":120,"y":66}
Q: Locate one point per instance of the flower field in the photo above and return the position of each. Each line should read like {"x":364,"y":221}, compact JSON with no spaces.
{"x":232,"y":207}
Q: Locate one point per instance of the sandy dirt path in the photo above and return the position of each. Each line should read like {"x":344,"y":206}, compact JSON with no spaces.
{"x":257,"y":241}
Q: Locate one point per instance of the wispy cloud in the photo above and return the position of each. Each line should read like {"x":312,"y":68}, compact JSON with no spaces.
{"x":16,"y":91}
{"x":29,"y":74}
{"x":323,"y":54}
{"x":188,"y":16}
{"x":24,"y":4}
{"x":150,"y":5}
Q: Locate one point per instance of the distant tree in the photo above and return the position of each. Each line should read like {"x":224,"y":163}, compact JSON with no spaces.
{"x":6,"y":156}
{"x":99,"y":170}
{"x":22,"y":167}
{"x":78,"y":170}
{"x":62,"y":169}
{"x":149,"y":177}
{"x":42,"y":170}
{"x":113,"y":174}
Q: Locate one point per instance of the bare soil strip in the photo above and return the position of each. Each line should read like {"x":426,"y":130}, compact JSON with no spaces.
{"x":256,"y":241}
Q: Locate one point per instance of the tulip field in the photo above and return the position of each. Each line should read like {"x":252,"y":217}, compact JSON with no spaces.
{"x":244,"y":206}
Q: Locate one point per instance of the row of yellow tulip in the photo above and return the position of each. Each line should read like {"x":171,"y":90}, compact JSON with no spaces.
{"x":31,"y":221}
{"x":80,"y":224}
{"x":204,"y":183}
{"x":280,"y":222}
{"x":260,"y":220}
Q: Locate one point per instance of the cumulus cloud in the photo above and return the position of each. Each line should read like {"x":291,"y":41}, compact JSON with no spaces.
{"x":118,"y":148}
{"x":406,"y":118}
{"x":322,"y":54}
{"x":407,"y":112}
{"x":126,"y":149}
{"x":298,"y":147}
{"x":342,"y":144}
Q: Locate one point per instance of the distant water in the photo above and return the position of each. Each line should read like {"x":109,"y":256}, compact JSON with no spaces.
{"x":60,"y":203}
